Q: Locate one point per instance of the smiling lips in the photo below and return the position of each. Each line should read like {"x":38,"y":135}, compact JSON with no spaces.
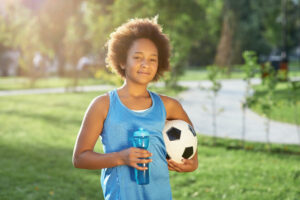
{"x":144,"y":73}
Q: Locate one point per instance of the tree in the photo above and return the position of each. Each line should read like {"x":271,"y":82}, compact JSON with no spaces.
{"x":181,"y":20}
{"x":204,"y":46}
{"x":53,"y":17}
{"x":270,"y":82}
{"x":21,"y":33}
{"x":212,"y":74}
{"x":250,"y":68}
{"x":76,"y":43}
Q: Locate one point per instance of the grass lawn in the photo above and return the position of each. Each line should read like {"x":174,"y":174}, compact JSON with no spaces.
{"x":16,"y":83}
{"x":37,"y":137}
{"x":285,"y":108}
{"x":194,"y":75}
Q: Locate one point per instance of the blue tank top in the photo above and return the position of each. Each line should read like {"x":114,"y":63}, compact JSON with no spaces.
{"x":118,"y":183}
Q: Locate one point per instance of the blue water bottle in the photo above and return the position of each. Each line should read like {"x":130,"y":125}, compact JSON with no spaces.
{"x":141,"y":140}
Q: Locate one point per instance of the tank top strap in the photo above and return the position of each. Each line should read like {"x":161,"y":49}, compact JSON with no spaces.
{"x":159,"y":105}
{"x":112,"y":96}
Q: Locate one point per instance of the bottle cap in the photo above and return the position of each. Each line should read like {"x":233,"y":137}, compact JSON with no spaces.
{"x":141,"y":133}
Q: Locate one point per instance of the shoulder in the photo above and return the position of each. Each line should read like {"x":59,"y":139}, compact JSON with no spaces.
{"x":169,"y":102}
{"x":100,"y":105}
{"x":101,"y":100}
{"x":173,"y":106}
{"x":174,"y":109}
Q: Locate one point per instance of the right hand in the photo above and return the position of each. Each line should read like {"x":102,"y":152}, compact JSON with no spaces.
{"x":132,"y":156}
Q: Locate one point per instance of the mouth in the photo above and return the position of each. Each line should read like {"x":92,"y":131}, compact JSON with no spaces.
{"x":144,"y":73}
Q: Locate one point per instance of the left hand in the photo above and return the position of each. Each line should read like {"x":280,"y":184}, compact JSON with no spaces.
{"x":188,"y":165}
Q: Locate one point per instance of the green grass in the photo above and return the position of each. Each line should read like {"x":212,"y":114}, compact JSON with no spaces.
{"x":37,"y":137}
{"x":193,"y":74}
{"x":16,"y":83}
{"x":201,"y":74}
{"x":196,"y":74}
{"x":227,"y":171}
{"x":287,"y":102}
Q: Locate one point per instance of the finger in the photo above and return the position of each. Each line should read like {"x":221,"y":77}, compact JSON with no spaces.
{"x":143,"y":155}
{"x":179,"y":167}
{"x":143,"y":151}
{"x":187,"y":161}
{"x":175,"y":163}
{"x":174,"y":167}
{"x":144,"y":161}
{"x":171,"y":169}
{"x":140,"y":167}
{"x":170,"y":161}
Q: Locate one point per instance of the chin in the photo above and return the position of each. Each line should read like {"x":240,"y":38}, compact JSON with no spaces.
{"x":144,"y":81}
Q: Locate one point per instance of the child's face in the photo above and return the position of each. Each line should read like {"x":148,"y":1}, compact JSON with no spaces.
{"x":142,"y":61}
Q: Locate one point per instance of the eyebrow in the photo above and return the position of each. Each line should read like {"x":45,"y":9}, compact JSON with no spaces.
{"x":138,"y":52}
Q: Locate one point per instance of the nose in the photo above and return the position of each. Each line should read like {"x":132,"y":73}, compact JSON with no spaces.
{"x":144,"y":63}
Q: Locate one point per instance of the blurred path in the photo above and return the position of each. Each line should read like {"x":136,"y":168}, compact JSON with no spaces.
{"x":56,"y":90}
{"x":229,"y":122}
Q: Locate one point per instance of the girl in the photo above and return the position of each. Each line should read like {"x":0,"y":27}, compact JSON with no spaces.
{"x":139,"y":52}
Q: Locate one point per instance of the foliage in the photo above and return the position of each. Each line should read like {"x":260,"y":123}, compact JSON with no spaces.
{"x":259,"y":26}
{"x":284,"y":97}
{"x":54,"y":19}
{"x":212,"y":74}
{"x":295,"y":88}
{"x":249,"y":68}
{"x":108,"y":77}
{"x":22,"y":33}
{"x":267,"y":103}
{"x":65,"y":28}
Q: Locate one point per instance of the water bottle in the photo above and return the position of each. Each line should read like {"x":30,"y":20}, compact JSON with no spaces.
{"x":141,"y":140}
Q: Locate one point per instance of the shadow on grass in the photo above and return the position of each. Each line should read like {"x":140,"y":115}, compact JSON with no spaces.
{"x":44,"y":172}
{"x":232,"y":144}
{"x":54,"y":120}
{"x":30,"y":101}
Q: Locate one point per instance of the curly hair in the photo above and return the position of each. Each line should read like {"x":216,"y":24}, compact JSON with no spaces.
{"x":121,"y":40}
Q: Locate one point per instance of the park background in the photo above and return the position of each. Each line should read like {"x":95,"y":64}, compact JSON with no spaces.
{"x":61,"y":44}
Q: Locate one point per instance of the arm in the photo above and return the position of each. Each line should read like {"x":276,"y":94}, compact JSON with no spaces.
{"x":175,"y":111}
{"x":84,"y":156}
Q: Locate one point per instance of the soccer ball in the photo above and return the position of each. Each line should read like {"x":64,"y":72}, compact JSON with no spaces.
{"x":180,"y":140}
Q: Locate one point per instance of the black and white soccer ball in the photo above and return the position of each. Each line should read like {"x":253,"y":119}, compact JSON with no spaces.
{"x":180,"y":140}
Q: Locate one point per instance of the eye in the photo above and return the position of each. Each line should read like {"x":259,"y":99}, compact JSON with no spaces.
{"x":153,"y":60}
{"x":136,"y":57}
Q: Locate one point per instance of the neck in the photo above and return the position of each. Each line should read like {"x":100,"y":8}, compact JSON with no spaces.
{"x":134,"y":90}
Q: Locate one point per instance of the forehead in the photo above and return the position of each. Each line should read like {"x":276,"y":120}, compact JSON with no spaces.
{"x":143,"y":45}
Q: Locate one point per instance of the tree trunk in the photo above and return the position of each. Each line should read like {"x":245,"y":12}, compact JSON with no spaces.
{"x":224,"y":50}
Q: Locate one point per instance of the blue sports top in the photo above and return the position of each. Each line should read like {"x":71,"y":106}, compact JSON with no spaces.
{"x":118,"y":183}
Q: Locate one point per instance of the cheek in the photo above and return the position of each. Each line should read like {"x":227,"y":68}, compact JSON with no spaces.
{"x":133,"y":63}
{"x":155,"y":68}
{"x":130,"y":65}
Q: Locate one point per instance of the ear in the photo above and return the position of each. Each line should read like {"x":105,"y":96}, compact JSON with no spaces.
{"x":122,"y":66}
